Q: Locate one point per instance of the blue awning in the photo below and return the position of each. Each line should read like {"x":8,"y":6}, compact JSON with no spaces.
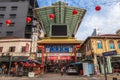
{"x":75,"y":63}
{"x":32,"y":61}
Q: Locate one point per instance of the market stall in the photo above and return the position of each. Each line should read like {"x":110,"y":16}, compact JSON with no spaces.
{"x":31,"y":67}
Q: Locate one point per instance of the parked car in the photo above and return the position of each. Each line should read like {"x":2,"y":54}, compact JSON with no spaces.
{"x":74,"y":68}
{"x":71,"y":70}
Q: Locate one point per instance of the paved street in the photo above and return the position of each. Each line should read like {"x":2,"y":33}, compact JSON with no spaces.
{"x":57,"y":76}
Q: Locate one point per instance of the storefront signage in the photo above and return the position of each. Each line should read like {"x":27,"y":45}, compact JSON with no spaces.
{"x":60,"y":54}
{"x":110,"y":53}
{"x":78,"y":54}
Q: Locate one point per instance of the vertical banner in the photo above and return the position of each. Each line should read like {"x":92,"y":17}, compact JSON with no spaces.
{"x":27,"y":47}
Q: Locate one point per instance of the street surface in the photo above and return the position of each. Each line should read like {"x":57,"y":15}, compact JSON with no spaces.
{"x":57,"y":76}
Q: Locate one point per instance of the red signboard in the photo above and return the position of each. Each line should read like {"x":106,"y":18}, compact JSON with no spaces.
{"x":27,"y":47}
{"x":65,"y":57}
{"x":53,"y":58}
{"x":61,"y":58}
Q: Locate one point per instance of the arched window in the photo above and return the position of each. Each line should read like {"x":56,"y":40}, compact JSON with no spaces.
{"x":118,"y":44}
{"x":99,"y":44}
{"x":112,"y":45}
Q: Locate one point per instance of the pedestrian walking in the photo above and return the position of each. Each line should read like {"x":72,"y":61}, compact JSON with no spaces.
{"x":4,"y":69}
{"x":0,"y":70}
{"x":62,"y":71}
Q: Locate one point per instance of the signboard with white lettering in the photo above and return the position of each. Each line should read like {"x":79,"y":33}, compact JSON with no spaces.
{"x":59,"y":49}
{"x":110,"y":53}
{"x":31,"y":74}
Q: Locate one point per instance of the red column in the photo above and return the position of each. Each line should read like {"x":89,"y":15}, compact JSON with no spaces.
{"x":42,"y":49}
{"x":75,"y":52}
{"x":43,"y":58}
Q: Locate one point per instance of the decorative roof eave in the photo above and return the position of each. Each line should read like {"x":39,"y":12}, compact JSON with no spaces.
{"x":59,"y":41}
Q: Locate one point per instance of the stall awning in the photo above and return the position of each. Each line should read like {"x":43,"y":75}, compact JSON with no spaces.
{"x":15,"y":58}
{"x":31,"y":61}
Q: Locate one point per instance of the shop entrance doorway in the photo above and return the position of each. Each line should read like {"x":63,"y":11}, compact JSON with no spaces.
{"x":54,"y":63}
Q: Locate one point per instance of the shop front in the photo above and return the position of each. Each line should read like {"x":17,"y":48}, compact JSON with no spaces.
{"x":115,"y":64}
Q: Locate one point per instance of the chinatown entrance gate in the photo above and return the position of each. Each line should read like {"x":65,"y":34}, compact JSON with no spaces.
{"x":59,"y":23}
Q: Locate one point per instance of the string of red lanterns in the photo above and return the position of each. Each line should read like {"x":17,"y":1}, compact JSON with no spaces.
{"x":27,"y":64}
{"x":51,"y":16}
{"x":9,"y":22}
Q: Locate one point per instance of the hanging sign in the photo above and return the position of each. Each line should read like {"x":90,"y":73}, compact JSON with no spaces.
{"x":110,"y":53}
{"x":27,"y":47}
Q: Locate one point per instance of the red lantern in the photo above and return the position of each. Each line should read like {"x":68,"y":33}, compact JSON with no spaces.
{"x":51,"y":16}
{"x":28,"y":19}
{"x":78,"y":46}
{"x":98,"y":8}
{"x":40,"y":47}
{"x":8,"y":22}
{"x":74,"y":12}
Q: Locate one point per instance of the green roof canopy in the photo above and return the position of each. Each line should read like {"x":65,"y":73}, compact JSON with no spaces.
{"x":63,"y":15}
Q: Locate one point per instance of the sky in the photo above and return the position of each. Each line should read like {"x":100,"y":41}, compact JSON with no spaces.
{"x":107,"y":20}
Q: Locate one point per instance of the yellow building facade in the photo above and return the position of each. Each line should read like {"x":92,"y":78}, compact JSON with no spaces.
{"x":94,"y":47}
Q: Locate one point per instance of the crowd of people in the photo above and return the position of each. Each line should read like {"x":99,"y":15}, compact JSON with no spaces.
{"x":4,"y":69}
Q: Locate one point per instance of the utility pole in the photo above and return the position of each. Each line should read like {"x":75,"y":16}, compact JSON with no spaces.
{"x":105,"y":74}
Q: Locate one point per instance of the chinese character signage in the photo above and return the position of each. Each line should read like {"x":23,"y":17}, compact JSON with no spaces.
{"x":59,"y":49}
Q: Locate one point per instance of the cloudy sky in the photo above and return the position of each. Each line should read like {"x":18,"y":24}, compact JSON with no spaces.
{"x":107,"y":20}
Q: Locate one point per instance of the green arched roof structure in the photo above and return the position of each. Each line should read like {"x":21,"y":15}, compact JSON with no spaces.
{"x":63,"y":15}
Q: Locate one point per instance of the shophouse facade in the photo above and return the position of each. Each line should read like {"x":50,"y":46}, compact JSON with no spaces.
{"x":17,"y":48}
{"x":94,"y":47}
